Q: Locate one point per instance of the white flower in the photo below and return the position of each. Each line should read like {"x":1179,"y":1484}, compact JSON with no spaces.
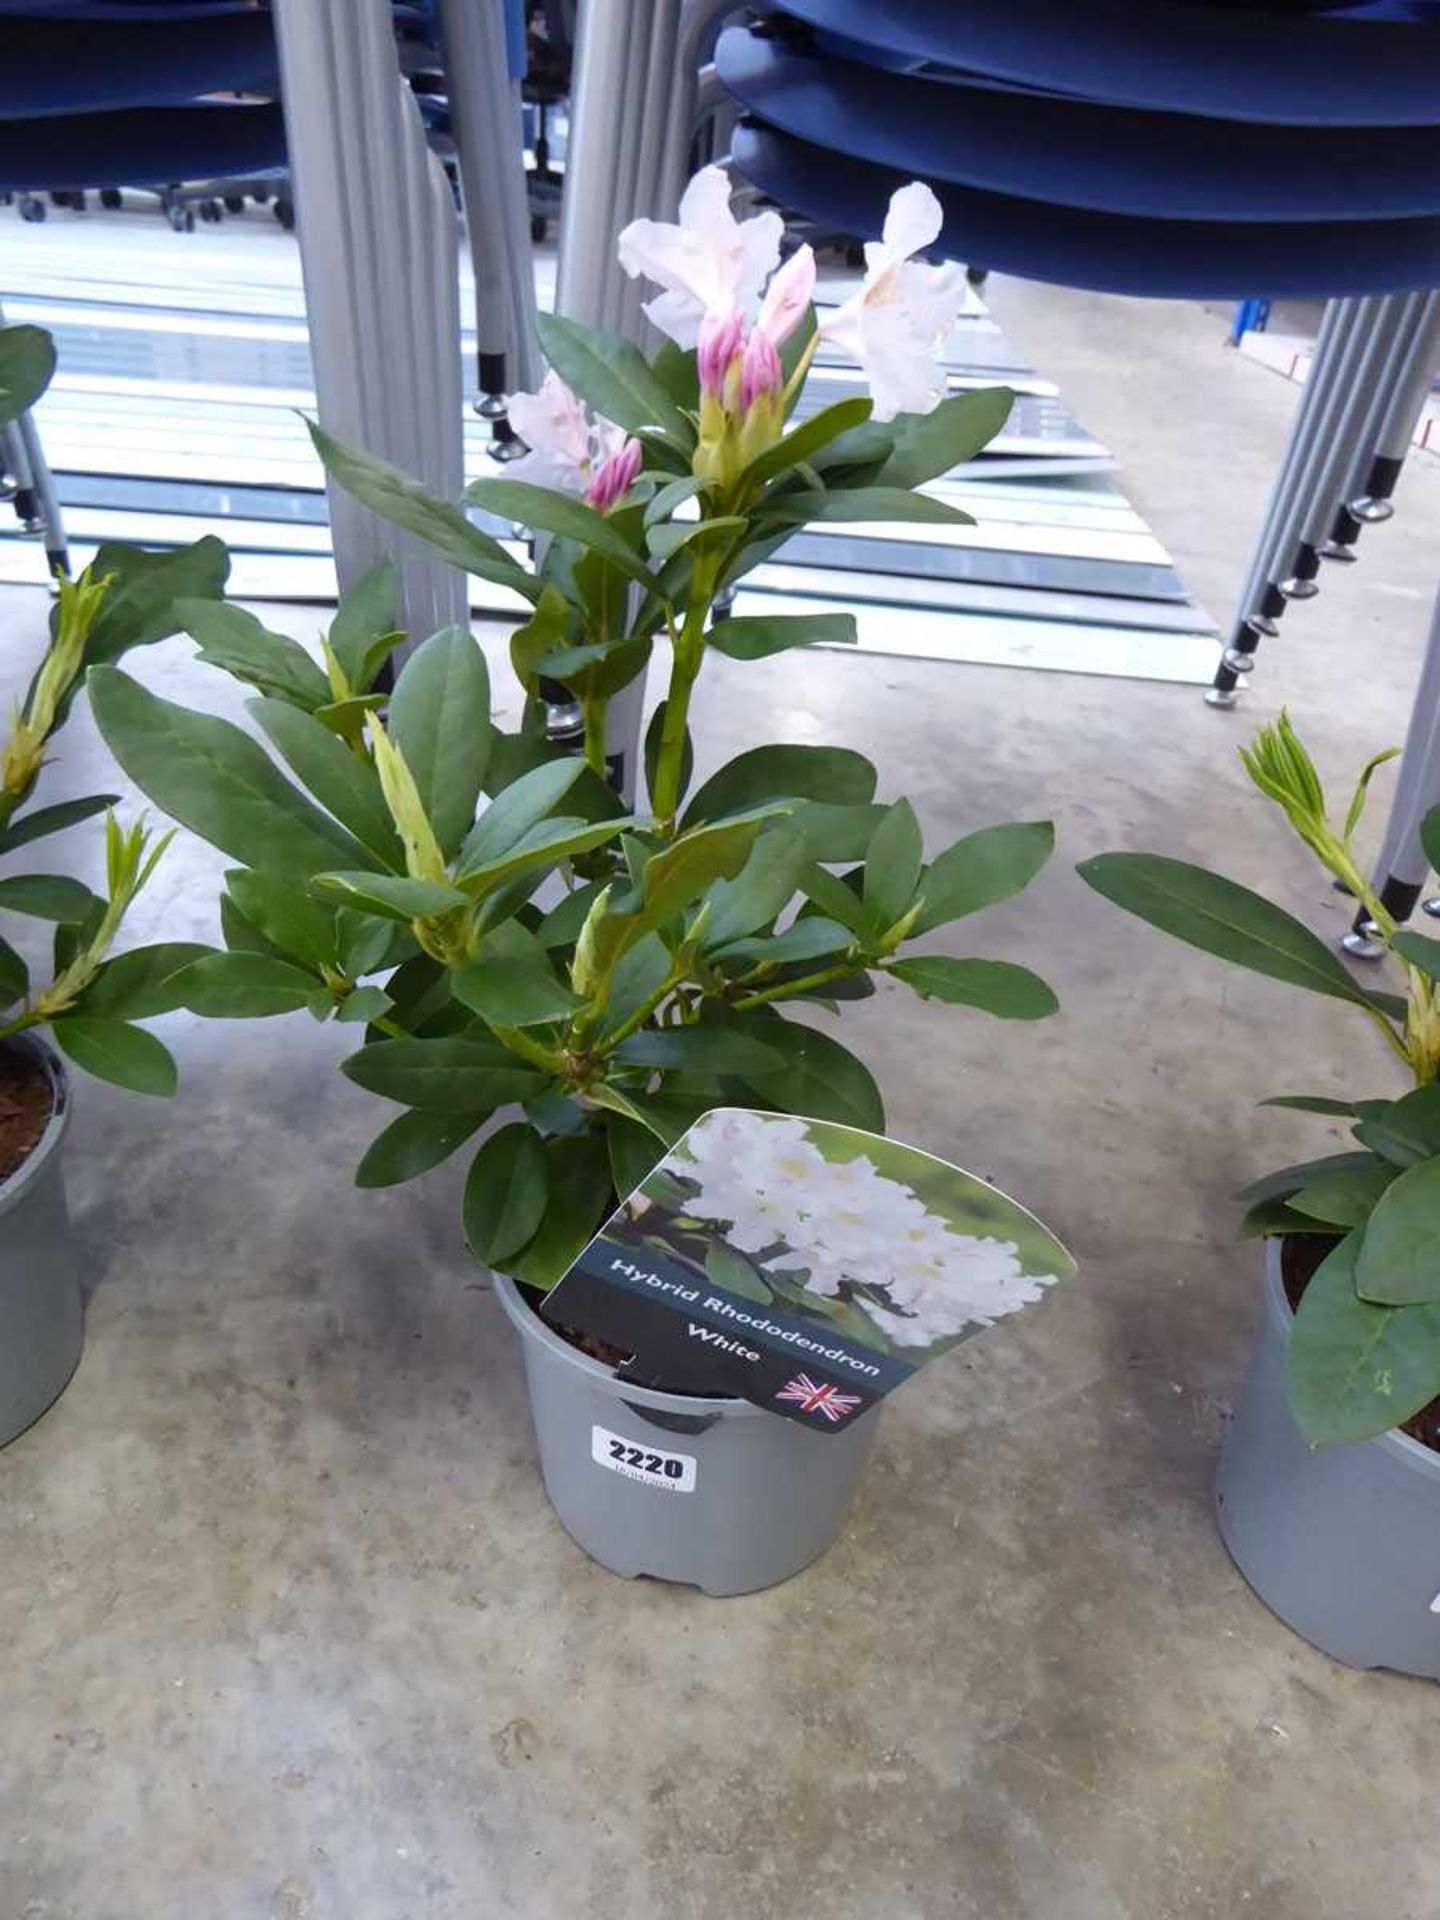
{"x":897,"y":323}
{"x":567,"y":449}
{"x":709,"y":264}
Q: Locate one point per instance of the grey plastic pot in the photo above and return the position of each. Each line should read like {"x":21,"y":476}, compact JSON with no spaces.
{"x":1343,"y":1543}
{"x":717,"y":1493}
{"x":42,"y":1325}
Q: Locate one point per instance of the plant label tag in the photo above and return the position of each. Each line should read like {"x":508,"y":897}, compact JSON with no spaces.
{"x":800,"y":1264}
{"x":670,"y":1472}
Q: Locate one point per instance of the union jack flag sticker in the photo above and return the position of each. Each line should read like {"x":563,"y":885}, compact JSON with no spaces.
{"x":814,"y":1396}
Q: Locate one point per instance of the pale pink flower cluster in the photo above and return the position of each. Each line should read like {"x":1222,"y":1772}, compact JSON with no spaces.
{"x":767,"y":1186}
{"x":568,"y":450}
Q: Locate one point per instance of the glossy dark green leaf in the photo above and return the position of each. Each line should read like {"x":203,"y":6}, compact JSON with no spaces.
{"x":343,"y":783}
{"x":835,"y":834}
{"x":578,"y":1197}
{"x":1356,"y":1369}
{"x":561,"y":926}
{"x":289,"y":918}
{"x":926,"y":445}
{"x":14,"y":975}
{"x":516,"y":809}
{"x":802,"y":443}
{"x":870,"y":504}
{"x":368,"y":619}
{"x":613,"y":375}
{"x":811,"y":938}
{"x":1313,"y":1103}
{"x":634,"y":1153}
{"x":513,"y":993}
{"x":243,"y":986}
{"x":677,"y":876}
{"x":215,"y":780}
{"x":1220,"y":917}
{"x":545,"y":844}
{"x":1270,"y":1217}
{"x":700,"y":1050}
{"x":41,"y":821}
{"x":235,"y":641}
{"x":141,"y":983}
{"x":983,"y":869}
{"x":1345,"y":1199}
{"x":560,"y":514}
{"x":717,"y":532}
{"x":405,"y":503}
{"x":839,"y":901}
{"x":892,"y":864}
{"x":756,"y":637}
{"x":27,"y":365}
{"x":1407,"y":1130}
{"x":1398,"y":1261}
{"x":762,"y":889}
{"x":994,"y":986}
{"x":362,"y":1006}
{"x":1419,"y":949}
{"x":126,"y":1056}
{"x":505,"y":1193}
{"x":440,"y":720}
{"x":820,"y":1079}
{"x":458,"y":1074}
{"x":1288,"y":1180}
{"x":413,"y":1144}
{"x":46,"y":896}
{"x":836,"y":775}
{"x":390,"y":895}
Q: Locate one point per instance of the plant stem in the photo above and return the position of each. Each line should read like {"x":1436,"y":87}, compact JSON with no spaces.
{"x":643,"y":1012}
{"x":689,"y":652}
{"x":593,"y":711}
{"x":789,"y":988}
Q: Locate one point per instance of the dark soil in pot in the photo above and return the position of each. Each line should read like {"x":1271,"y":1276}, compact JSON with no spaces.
{"x":27,"y":1101}
{"x":1300,"y":1256}
{"x":586,"y":1343}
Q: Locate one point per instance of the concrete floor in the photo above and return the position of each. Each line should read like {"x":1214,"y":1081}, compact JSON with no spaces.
{"x":290,"y":1633}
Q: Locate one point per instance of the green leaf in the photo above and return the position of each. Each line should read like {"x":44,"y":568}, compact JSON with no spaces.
{"x":440,"y":720}
{"x":112,"y":1050}
{"x":363,"y":1005}
{"x":14,"y":975}
{"x":287,"y":916}
{"x":1270,"y":1217}
{"x":1220,"y":917}
{"x":674,"y":367}
{"x":545,"y":844}
{"x":414,"y":1144}
{"x":667,"y":540}
{"x":838,"y":901}
{"x":1288,"y":1180}
{"x":1398,"y":1263}
{"x":1430,"y":835}
{"x":1407,"y":1130}
{"x":518,"y":808}
{"x":391,"y":896}
{"x":756,"y":638}
{"x":343,"y":783}
{"x":243,"y":986}
{"x":995,"y":986}
{"x":808,"y":939}
{"x":46,"y":896}
{"x":836,"y":833}
{"x":460,"y":1073}
{"x":232,"y":639}
{"x":892,"y":864}
{"x":369,"y":615}
{"x":561,"y":514}
{"x":761,"y":890}
{"x":929,"y":444}
{"x":1420,"y":950}
{"x":512,"y":993}
{"x":699,"y":1050}
{"x":505,"y":1194}
{"x":808,"y":438}
{"x":983,"y":869}
{"x":653,"y":735}
{"x":214,"y":779}
{"x":561,"y":926}
{"x":725,"y":1267}
{"x":639,"y":974}
{"x":820,"y":1079}
{"x":48,"y":820}
{"x":141,"y":983}
{"x":634,"y":1153}
{"x":579,"y":1194}
{"x":871,"y":504}
{"x":139,"y":603}
{"x":369,"y":944}
{"x":613,"y":375}
{"x":405,"y":503}
{"x":836,"y":775}
{"x":1356,"y":1369}
{"x":672,"y":495}
{"x":1344,"y":1199}
{"x":27,"y":364}
{"x":1313,"y":1103}
{"x":676,"y":877}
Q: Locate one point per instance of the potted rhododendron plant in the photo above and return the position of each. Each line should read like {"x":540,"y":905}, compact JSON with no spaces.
{"x":1330,"y":1504}
{"x":515,"y":945}
{"x":79,"y":991}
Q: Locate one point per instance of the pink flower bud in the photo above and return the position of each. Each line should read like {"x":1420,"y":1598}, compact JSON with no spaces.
{"x":613,"y":478}
{"x":759,"y":370}
{"x":720,"y":341}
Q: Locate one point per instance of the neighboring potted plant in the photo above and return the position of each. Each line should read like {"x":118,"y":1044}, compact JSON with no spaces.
{"x":87,"y":1001}
{"x":610,"y":976}
{"x":1330,"y":1504}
